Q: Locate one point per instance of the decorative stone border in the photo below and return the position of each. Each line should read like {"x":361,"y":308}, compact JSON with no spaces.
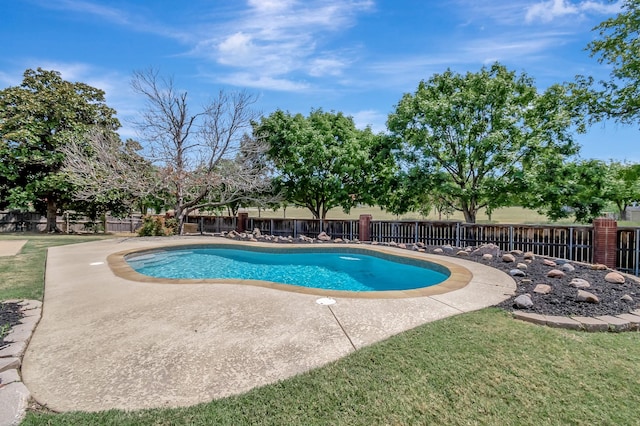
{"x":617,"y":323}
{"x":14,"y":395}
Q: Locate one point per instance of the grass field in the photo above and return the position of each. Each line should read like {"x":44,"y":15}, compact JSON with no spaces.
{"x":477,"y":368}
{"x":515,"y":215}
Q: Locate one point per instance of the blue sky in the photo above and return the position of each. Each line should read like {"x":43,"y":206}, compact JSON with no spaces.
{"x":354,"y":56}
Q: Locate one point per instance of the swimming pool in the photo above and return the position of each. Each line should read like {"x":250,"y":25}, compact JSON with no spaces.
{"x":338,"y":269}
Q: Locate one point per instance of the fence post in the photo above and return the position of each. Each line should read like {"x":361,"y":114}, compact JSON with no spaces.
{"x":458,"y":234}
{"x":295,"y":228}
{"x":570,"y":257}
{"x":415,"y":239}
{"x":242,"y":221}
{"x":511,"y":245}
{"x":365,"y":222}
{"x":636,"y":267}
{"x":605,"y":232}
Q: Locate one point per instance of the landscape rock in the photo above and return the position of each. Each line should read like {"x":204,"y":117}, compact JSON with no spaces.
{"x":487,"y":256}
{"x":579,"y":283}
{"x":508,"y":258}
{"x":463,"y":253}
{"x":438,"y":250}
{"x":402,"y":246}
{"x":585,"y":296}
{"x":567,"y":267}
{"x":555,"y":273}
{"x":547,"y":262}
{"x":599,"y":267}
{"x":491,"y":249}
{"x":447,"y":249}
{"x":523,"y":301}
{"x":529,"y":255}
{"x":393,"y":244}
{"x":516,"y":252}
{"x":324,"y":237}
{"x":542,"y":289}
{"x":614,"y":278}
{"x":338,"y":240}
{"x":522,"y":266}
{"x":517,"y":273}
{"x":627,"y":298}
{"x":257,"y":232}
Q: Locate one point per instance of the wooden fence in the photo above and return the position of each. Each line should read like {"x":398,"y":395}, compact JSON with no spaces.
{"x":11,"y":221}
{"x":572,"y":242}
{"x":567,"y":242}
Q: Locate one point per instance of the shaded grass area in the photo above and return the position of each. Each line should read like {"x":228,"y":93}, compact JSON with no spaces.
{"x":477,"y":368}
{"x":22,"y":275}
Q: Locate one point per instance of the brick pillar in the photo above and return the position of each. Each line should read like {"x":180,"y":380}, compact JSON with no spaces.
{"x":365,"y":222}
{"x":604,"y":241}
{"x":242,"y":221}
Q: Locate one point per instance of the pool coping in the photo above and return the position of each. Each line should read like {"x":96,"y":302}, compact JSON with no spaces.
{"x":459,"y":276}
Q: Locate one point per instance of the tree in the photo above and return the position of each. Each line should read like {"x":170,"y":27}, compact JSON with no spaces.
{"x":469,"y":138}
{"x":560,"y":189}
{"x":323,"y":161}
{"x":194,"y":154}
{"x":37,"y":118}
{"x":618,"y":46}
{"x":623,"y":186}
{"x":109,"y":174}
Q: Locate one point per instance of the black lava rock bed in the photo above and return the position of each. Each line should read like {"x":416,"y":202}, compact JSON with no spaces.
{"x":613,"y":298}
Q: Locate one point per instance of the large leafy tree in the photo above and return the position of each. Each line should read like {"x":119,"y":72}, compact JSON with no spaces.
{"x":37,"y":118}
{"x":468,"y":139}
{"x":323,"y":161}
{"x":562,"y":189}
{"x":618,"y":46}
{"x":623,"y":185}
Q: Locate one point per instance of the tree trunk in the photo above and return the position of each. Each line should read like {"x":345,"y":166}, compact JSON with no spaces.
{"x":52,"y":215}
{"x":469,"y":215}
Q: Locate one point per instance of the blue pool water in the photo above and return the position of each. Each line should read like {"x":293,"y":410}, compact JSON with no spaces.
{"x":331,"y":270}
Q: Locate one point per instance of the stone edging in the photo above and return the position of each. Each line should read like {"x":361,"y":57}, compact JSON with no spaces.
{"x":617,"y":323}
{"x":14,"y":395}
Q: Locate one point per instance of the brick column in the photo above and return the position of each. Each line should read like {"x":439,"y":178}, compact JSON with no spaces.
{"x":604,"y":241}
{"x":365,"y":222}
{"x":242,"y":221}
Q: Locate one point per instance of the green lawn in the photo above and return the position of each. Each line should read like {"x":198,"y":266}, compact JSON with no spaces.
{"x":22,"y":276}
{"x":477,"y":368}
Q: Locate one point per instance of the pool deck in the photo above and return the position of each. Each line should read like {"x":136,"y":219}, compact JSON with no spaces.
{"x":105,"y":341}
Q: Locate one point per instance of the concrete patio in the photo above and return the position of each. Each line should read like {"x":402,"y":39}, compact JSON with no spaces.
{"x":108,"y":342}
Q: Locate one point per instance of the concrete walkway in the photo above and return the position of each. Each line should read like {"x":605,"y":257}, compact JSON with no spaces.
{"x":107,"y":342}
{"x":11,"y":247}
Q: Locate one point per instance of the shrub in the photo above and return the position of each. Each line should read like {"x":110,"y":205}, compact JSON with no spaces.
{"x":158,"y":226}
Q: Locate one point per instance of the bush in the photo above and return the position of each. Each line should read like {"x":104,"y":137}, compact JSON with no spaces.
{"x":158,"y":226}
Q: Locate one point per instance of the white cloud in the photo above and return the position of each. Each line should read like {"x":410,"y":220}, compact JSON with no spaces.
{"x":263,"y":82}
{"x":274,"y":39}
{"x":550,"y":10}
{"x":372,"y":118}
